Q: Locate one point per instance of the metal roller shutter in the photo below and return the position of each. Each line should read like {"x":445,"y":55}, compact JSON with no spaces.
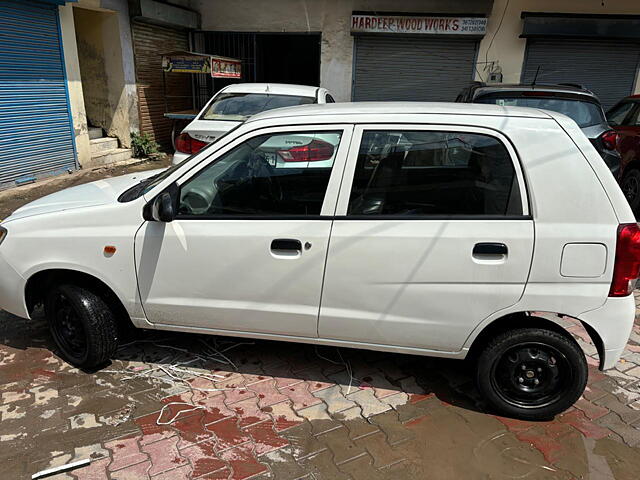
{"x":36,"y":135}
{"x":149,"y":43}
{"x":606,"y":67}
{"x":412,"y":68}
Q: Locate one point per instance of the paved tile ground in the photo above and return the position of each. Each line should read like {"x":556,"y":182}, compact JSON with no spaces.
{"x":175,"y":406}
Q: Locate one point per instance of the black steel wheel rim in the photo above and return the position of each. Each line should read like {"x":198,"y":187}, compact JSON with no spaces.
{"x":67,"y":328}
{"x":631,"y":187}
{"x":531,"y":375}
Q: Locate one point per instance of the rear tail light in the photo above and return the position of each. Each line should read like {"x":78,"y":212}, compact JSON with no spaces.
{"x":609,"y":139}
{"x":315,"y":151}
{"x":626,"y":269}
{"x":187,"y":144}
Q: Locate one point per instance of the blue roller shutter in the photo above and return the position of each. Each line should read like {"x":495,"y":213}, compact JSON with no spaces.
{"x":36,"y":135}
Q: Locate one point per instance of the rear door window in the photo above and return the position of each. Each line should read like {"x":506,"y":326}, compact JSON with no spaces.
{"x":427,"y":173}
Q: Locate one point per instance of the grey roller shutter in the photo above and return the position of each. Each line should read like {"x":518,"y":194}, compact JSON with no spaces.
{"x":36,"y":137}
{"x":412,"y":68}
{"x":606,"y":67}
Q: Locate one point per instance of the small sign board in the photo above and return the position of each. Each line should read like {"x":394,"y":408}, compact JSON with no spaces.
{"x":222,"y":67}
{"x":186,"y":64}
{"x":418,"y":25}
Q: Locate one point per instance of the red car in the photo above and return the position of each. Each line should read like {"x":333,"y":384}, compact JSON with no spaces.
{"x":624,"y":119}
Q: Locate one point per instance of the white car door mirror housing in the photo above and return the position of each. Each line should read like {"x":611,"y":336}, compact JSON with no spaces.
{"x":162,"y":208}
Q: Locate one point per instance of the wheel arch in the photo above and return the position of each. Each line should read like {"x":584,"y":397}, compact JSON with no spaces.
{"x":531,"y":319}
{"x":38,"y":284}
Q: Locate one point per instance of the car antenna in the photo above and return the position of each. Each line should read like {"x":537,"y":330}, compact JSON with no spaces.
{"x":533,"y":84}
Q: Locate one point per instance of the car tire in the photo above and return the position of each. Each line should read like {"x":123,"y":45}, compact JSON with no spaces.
{"x":82,"y":325}
{"x":531,"y":373}
{"x":630,"y":186}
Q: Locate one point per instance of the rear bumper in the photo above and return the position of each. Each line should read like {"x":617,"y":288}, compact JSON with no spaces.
{"x":613,"y":322}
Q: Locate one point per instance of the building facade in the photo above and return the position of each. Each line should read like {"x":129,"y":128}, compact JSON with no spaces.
{"x":78,"y":76}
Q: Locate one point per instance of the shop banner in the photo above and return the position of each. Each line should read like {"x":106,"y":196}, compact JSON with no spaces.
{"x":427,"y":25}
{"x":225,"y":68}
{"x":186,"y":64}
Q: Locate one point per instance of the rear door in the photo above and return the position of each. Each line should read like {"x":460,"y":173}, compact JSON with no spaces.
{"x":433,"y":234}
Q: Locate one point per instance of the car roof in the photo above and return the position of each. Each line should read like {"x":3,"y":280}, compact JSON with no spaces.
{"x":273,"y":88}
{"x":406,"y":108}
{"x":539,"y":87}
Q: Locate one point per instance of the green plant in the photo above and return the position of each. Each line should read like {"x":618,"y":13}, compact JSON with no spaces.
{"x":143,"y":145}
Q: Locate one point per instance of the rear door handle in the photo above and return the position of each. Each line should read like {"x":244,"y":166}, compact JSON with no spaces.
{"x":286,"y":244}
{"x":490,"y":248}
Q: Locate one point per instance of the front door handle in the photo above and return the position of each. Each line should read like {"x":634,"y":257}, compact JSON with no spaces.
{"x":286,"y":244}
{"x":490,"y":248}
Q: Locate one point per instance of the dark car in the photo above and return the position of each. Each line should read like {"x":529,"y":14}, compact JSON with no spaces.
{"x":624,"y":118}
{"x":574,"y":101}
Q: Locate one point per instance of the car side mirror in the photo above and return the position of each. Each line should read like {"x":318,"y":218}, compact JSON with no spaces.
{"x":162,"y":208}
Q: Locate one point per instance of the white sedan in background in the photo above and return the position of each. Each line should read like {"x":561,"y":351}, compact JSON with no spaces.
{"x":234,"y":104}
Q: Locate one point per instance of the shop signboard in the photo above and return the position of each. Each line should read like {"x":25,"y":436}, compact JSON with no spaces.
{"x":186,"y":64}
{"x":418,"y":25}
{"x":222,"y":67}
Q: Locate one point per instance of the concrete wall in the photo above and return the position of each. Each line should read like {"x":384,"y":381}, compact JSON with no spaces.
{"x":102,"y":86}
{"x":331,"y":17}
{"x":507,"y":49}
{"x":74,"y":84}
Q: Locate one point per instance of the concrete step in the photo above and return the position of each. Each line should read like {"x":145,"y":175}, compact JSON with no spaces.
{"x":95,"y":132}
{"x":101,"y":145}
{"x":111,"y":156}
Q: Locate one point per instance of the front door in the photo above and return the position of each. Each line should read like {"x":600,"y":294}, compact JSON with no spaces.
{"x":433,"y":235}
{"x":248,"y":247}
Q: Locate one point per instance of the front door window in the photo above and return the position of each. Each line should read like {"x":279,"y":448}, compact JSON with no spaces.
{"x":271,"y":175}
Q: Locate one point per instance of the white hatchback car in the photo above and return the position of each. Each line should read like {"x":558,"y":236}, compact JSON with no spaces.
{"x":234,"y":104}
{"x":430,"y":229}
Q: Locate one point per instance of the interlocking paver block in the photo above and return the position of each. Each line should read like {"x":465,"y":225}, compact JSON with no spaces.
{"x":320,"y":420}
{"x":282,"y":464}
{"x":390,"y":424}
{"x":242,"y":461}
{"x":284,"y":416}
{"x":321,"y":466}
{"x":164,"y":455}
{"x":139,"y":471}
{"x":96,"y":470}
{"x":361,"y":468}
{"x":303,"y":442}
{"x":335,"y":400}
{"x":267,"y":393}
{"x":249,"y":413}
{"x":265,"y":438}
{"x":589,"y":429}
{"x":228,"y":433}
{"x":300,"y":396}
{"x":630,"y":435}
{"x":180,"y":473}
{"x":191,"y":430}
{"x":591,"y":411}
{"x":356,"y":424}
{"x":341,"y":445}
{"x":235,"y":390}
{"x":203,"y":458}
{"x":368,"y":402}
{"x":380,"y":450}
{"x":151,"y":431}
{"x":126,"y":452}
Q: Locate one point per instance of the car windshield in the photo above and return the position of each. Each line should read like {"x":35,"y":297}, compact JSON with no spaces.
{"x":583,"y":113}
{"x":240,"y":106}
